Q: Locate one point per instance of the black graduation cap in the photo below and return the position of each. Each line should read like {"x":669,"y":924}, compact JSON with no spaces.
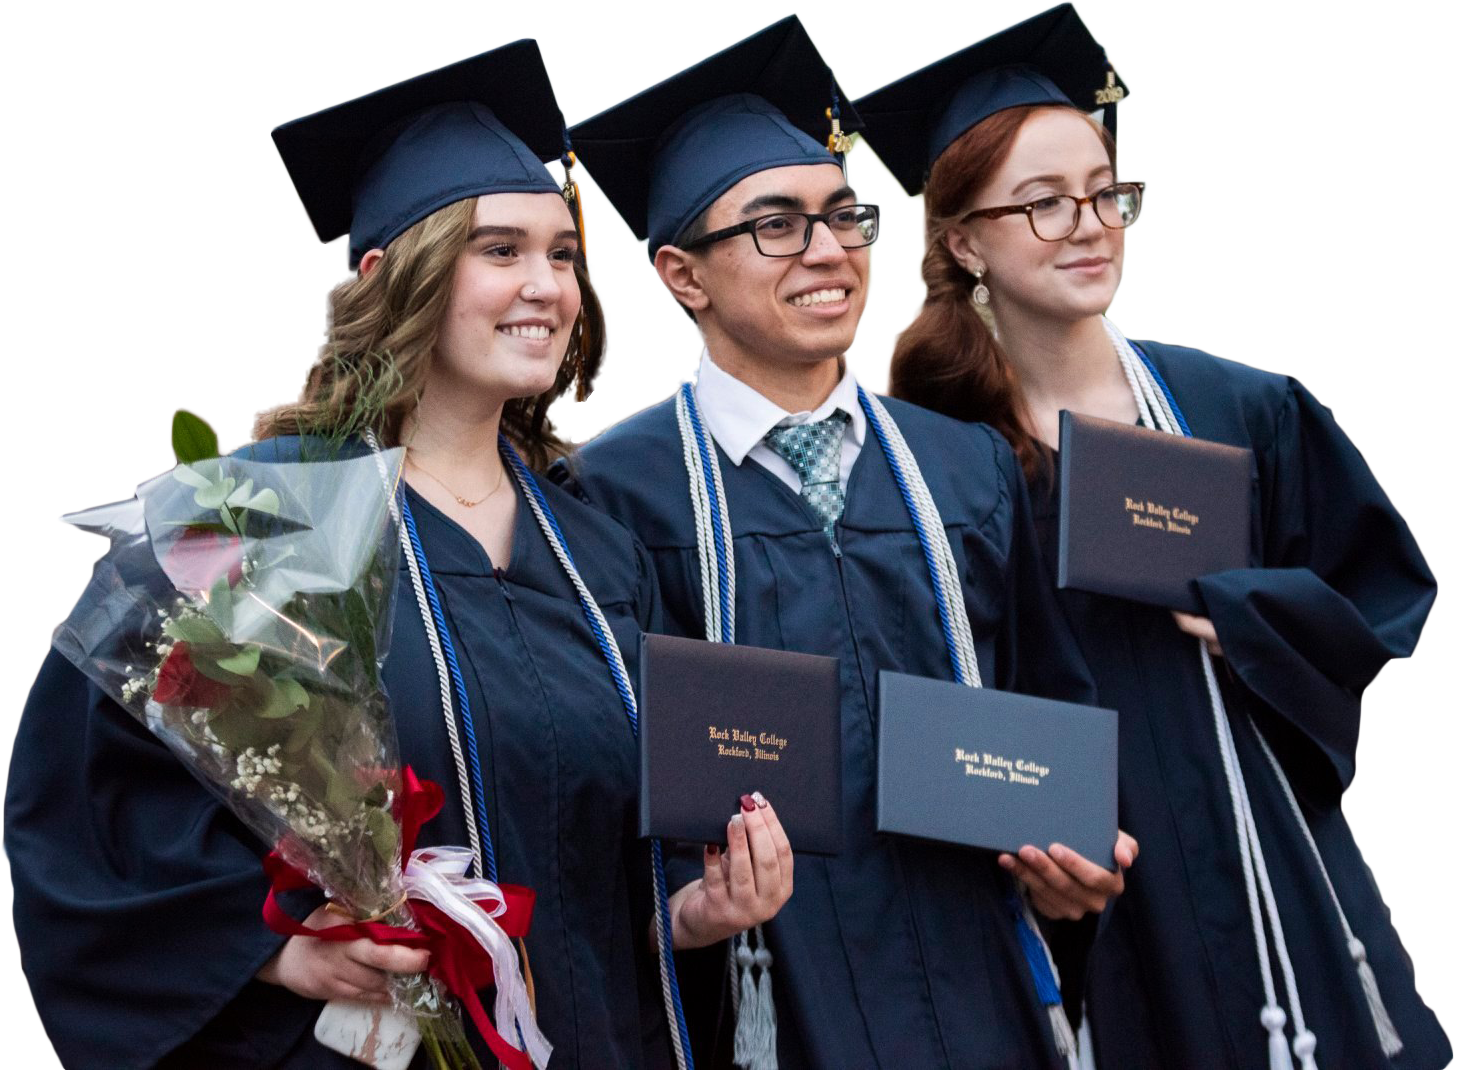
{"x":667,"y":153}
{"x":376,"y":165}
{"x":1049,"y":59}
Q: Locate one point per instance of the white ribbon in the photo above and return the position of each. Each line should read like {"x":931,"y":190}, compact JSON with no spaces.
{"x":437,"y":875}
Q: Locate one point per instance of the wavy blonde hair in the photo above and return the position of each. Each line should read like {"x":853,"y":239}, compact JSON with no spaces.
{"x":382,"y":333}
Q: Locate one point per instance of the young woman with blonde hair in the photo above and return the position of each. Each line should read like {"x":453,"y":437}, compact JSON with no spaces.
{"x":517,"y":611}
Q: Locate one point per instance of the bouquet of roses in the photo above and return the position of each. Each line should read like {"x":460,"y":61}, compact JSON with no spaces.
{"x":242,"y":614}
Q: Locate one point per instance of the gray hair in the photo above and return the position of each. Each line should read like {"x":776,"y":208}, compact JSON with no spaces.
{"x":1273,"y":98}
{"x":264,"y":254}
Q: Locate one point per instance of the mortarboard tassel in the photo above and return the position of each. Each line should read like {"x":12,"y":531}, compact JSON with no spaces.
{"x":756,"y":1031}
{"x":581,"y":357}
{"x":1107,"y":97}
{"x":572,"y":198}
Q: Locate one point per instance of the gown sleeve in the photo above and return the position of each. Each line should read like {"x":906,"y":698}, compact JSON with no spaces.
{"x":1342,"y":589}
{"x":137,"y":896}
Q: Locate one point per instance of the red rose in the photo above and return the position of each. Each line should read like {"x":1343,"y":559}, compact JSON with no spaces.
{"x":181,"y":684}
{"x":201,"y":557}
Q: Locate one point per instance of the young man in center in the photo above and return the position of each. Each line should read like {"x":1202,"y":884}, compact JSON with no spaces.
{"x":896,"y":953}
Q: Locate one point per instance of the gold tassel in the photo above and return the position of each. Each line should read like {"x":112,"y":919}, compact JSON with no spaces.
{"x":575,"y":202}
{"x":838,"y":143}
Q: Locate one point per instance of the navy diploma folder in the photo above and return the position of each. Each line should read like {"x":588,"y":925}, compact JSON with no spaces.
{"x":1144,"y":514}
{"x":994,"y":769}
{"x":719,"y":721}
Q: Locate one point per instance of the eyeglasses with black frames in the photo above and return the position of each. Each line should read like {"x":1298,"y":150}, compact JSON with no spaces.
{"x":1056,"y":218}
{"x":788,"y":233}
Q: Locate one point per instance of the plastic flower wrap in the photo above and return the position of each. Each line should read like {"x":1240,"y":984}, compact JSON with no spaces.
{"x":242,"y":614}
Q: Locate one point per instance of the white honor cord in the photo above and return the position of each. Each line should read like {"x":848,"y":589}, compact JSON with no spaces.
{"x":755,"y":1029}
{"x":950,"y":586}
{"x":1157,"y":415}
{"x":968,"y":669}
{"x":443,"y":678}
{"x":714,"y":609}
{"x":617,"y":664}
{"x":1157,"y":412}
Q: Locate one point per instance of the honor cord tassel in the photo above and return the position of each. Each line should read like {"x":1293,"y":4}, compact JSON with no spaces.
{"x":756,"y":1026}
{"x":1389,"y":1039}
{"x":715,"y":553}
{"x":1159,"y":410}
{"x":755,"y":1035}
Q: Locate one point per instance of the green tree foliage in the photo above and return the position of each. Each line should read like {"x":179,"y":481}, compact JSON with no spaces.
{"x":260,"y":62}
{"x":33,"y":36}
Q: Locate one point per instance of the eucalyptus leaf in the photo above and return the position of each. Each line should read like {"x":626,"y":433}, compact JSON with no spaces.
{"x":243,"y":662}
{"x":193,"y":630}
{"x":193,"y":438}
{"x":265,"y":501}
{"x":219,"y":607}
{"x":237,"y":729}
{"x":240,"y":495}
{"x":384,"y":833}
{"x":304,"y":728}
{"x":288,"y":696}
{"x":189,"y":477}
{"x":204,"y":658}
{"x":216,"y":493}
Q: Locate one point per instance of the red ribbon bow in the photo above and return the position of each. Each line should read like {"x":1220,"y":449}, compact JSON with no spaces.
{"x":457,"y":960}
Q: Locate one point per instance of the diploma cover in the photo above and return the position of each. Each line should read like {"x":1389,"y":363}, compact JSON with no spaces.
{"x":994,"y":769}
{"x":719,"y":721}
{"x":1144,"y":513}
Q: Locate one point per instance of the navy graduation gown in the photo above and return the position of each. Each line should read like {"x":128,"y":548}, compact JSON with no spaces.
{"x":897,"y":953}
{"x":1339,"y":589}
{"x":138,"y":897}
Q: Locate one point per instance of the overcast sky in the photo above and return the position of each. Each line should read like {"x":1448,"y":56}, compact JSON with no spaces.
{"x":117,"y":207}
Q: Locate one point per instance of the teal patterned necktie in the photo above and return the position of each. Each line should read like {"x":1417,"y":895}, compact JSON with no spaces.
{"x":813,"y":450}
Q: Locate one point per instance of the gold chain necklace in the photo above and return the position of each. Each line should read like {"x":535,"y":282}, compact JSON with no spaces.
{"x":467,"y":502}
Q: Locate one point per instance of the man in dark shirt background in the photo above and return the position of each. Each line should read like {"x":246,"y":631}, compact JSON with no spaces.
{"x":1315,"y":142}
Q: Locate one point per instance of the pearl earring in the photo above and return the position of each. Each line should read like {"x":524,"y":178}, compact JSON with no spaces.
{"x":981,"y":292}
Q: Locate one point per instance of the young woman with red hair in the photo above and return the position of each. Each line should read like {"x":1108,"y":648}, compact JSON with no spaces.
{"x":1251,"y":930}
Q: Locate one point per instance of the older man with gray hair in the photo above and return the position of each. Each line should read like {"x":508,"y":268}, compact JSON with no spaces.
{"x":244,"y":300}
{"x":1315,"y":142}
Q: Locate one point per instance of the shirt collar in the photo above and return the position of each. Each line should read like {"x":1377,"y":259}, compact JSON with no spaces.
{"x":738,"y":416}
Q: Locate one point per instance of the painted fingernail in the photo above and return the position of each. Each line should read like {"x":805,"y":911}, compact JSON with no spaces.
{"x":712,"y":848}
{"x":736,"y":819}
{"x":747,"y":803}
{"x":758,"y":797}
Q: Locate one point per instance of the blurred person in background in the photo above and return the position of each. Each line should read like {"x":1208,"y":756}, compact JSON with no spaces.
{"x":53,"y":461}
{"x":641,"y":365}
{"x":242,"y":303}
{"x":1315,"y":140}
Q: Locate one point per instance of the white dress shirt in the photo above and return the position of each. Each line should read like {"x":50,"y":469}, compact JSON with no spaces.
{"x":738,"y":417}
